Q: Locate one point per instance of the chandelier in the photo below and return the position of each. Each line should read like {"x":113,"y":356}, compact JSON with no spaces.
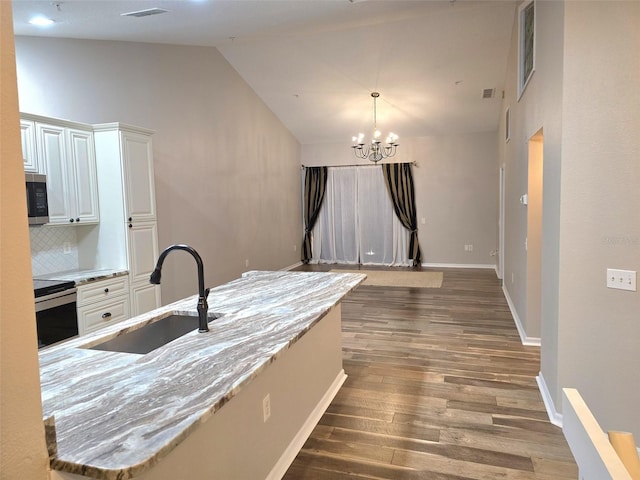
{"x":376,"y":150}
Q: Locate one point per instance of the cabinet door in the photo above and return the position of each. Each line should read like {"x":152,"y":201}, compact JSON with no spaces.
{"x":51,"y":145}
{"x":144,"y":298}
{"x":143,"y":250}
{"x":28,"y":137}
{"x":138,"y":177}
{"x":102,"y":314}
{"x":82,"y":161}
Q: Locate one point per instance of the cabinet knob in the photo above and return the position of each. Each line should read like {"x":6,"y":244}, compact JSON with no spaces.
{"x":71,"y":220}
{"x":106,"y":315}
{"x":130,"y":226}
{"x":77,"y":219}
{"x":130,"y":219}
{"x":106,"y":290}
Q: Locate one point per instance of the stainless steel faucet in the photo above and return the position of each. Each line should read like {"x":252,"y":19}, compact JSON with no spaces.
{"x":203,"y":306}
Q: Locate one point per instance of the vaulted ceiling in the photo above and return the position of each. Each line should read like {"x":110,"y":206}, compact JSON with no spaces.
{"x":316,"y":62}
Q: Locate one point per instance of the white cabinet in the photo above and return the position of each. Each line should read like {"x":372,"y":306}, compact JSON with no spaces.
{"x":138,"y":176}
{"x":102,"y":303}
{"x":128,"y":228}
{"x":28,"y":138}
{"x":144,"y":297}
{"x":143,"y":254}
{"x":83,"y":162}
{"x":66,"y":155}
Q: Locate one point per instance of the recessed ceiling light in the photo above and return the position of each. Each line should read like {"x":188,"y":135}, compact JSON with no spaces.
{"x":41,"y":21}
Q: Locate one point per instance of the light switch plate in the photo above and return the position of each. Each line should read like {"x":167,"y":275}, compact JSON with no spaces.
{"x":621,"y":279}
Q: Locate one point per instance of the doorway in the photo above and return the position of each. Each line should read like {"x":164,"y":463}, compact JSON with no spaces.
{"x":534,"y":237}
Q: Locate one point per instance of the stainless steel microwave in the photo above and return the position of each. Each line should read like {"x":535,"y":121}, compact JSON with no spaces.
{"x":37,"y":204}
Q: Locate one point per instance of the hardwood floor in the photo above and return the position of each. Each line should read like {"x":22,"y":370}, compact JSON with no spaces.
{"x":439,"y":387}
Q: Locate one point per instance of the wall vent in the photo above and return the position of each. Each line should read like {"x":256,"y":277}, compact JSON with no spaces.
{"x":488,"y":92}
{"x":144,"y":13}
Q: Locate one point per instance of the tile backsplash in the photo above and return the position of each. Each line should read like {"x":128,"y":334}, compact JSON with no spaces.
{"x":53,"y":249}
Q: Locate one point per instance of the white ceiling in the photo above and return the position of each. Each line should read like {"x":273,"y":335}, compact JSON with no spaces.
{"x":315,"y":62}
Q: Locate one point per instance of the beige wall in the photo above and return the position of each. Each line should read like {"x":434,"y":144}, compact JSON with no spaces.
{"x":539,"y":107}
{"x":227,"y":171}
{"x":599,"y":328}
{"x":584,"y":95}
{"x":456,"y":183}
{"x":22,"y":448}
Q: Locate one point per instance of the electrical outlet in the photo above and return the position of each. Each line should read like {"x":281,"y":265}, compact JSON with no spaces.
{"x":266,"y":408}
{"x":66,"y":247}
{"x":468,"y":248}
{"x":246,"y":262}
{"x":295,"y":248}
{"x":621,"y":279}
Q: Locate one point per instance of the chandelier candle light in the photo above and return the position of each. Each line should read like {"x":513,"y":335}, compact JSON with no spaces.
{"x":376,"y":150}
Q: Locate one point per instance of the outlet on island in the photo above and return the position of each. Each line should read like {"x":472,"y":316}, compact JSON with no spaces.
{"x":266,"y":408}
{"x":246,"y":263}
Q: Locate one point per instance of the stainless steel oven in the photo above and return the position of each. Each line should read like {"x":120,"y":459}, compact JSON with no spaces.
{"x":56,"y":315}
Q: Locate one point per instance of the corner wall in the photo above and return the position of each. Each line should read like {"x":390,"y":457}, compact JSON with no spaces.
{"x":599,"y":328}
{"x":23,"y":453}
{"x":584,"y":96}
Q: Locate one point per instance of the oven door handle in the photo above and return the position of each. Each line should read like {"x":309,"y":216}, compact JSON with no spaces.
{"x":56,"y":299}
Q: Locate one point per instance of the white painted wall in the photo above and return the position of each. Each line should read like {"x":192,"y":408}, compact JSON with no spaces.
{"x":456,"y":184}
{"x":23,"y":453}
{"x":584,"y":95}
{"x":538,"y":108}
{"x":599,"y":328}
{"x":226,"y":170}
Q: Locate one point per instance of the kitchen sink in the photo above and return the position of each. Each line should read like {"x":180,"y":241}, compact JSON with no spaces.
{"x":154,"y":335}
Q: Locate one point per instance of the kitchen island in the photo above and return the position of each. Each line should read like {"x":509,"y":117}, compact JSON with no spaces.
{"x":236,"y":402}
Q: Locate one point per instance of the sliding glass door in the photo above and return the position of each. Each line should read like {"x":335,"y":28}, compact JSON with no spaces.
{"x":357,"y":224}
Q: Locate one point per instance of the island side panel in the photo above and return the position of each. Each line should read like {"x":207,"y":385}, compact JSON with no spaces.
{"x":236,"y":443}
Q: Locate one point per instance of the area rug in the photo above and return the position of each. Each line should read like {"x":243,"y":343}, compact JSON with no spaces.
{"x":391,"y":278}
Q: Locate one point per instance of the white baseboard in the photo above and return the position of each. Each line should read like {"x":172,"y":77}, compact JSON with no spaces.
{"x":289,"y":455}
{"x":529,"y":341}
{"x":554,"y":416}
{"x":291,"y":267}
{"x":458,"y":265}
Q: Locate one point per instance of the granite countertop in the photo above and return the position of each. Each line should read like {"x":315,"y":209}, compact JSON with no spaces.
{"x":116,"y":414}
{"x":82,"y":277}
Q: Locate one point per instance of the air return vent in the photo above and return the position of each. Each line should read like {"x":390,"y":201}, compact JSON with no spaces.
{"x":144,"y":13}
{"x":488,"y":92}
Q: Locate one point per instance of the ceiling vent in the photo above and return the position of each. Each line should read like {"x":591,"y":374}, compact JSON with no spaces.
{"x":145,"y":13}
{"x":488,"y":93}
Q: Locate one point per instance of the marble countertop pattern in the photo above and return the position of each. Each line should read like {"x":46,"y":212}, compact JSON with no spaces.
{"x":117,"y":414}
{"x":82,"y":277}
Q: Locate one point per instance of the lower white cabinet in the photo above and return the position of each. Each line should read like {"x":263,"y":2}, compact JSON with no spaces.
{"x":102,"y":303}
{"x":144,"y":298}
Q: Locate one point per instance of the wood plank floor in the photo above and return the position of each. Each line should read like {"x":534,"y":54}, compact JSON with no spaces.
{"x":439,"y":387}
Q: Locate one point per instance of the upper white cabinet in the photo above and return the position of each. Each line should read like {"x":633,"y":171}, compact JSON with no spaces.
{"x":28,"y":137}
{"x":138,"y":176}
{"x":65,"y":153}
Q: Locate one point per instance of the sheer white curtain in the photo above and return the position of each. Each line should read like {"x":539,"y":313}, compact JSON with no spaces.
{"x":357,"y":223}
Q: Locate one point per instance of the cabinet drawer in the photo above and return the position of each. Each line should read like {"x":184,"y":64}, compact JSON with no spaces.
{"x":102,"y":314}
{"x":102,"y":290}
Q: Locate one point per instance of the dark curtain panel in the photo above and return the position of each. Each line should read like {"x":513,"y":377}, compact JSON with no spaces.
{"x":399,"y":179}
{"x":315,"y":184}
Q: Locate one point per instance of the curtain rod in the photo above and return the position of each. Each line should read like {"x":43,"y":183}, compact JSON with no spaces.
{"x":414,"y":163}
